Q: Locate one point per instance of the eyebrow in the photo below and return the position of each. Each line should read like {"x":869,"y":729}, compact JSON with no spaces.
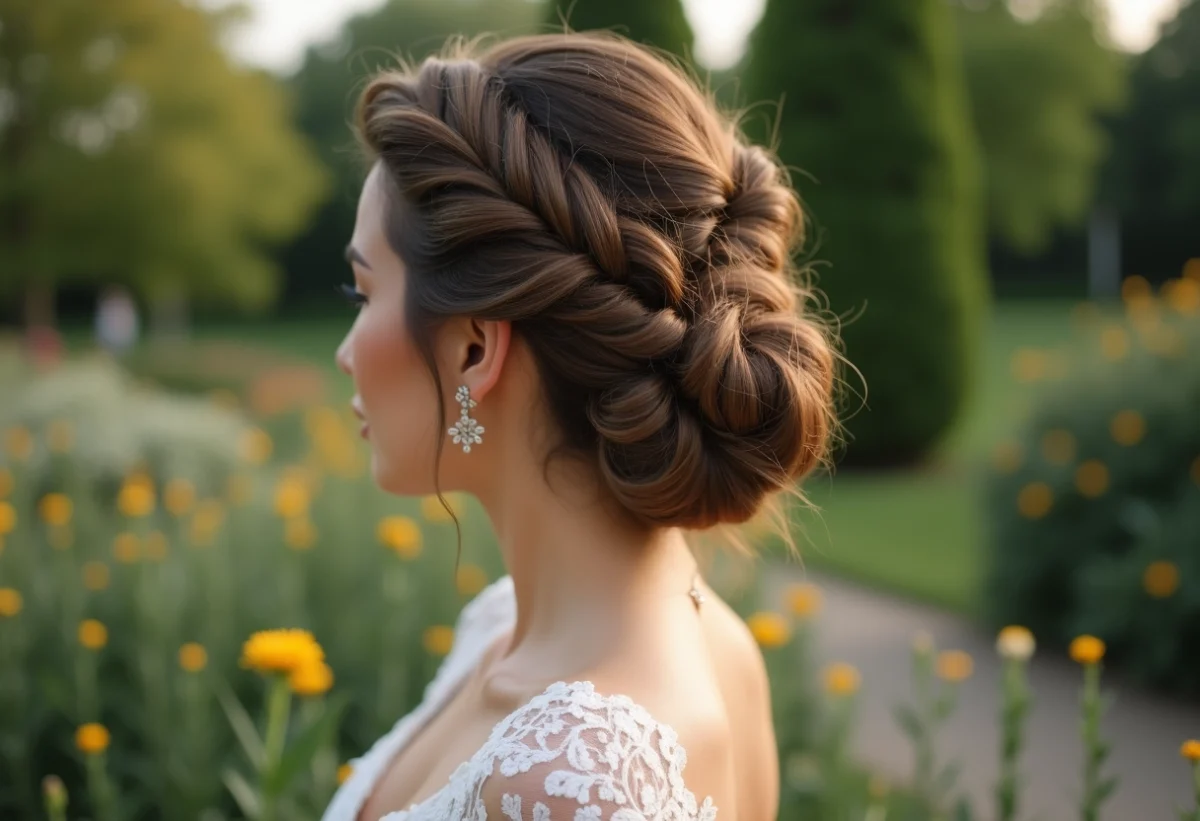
{"x":353,"y":255}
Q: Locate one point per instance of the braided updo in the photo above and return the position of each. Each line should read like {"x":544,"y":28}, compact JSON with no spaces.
{"x":585,"y":190}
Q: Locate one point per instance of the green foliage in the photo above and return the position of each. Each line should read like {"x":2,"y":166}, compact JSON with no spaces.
{"x":874,"y":108}
{"x":1155,"y":172}
{"x":1038,"y":91}
{"x":326,"y":89}
{"x":1094,"y":510}
{"x":211,"y":571}
{"x":141,"y":155}
{"x":659,"y":23}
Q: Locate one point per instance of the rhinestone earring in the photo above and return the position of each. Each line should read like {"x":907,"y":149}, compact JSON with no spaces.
{"x":468,"y":431}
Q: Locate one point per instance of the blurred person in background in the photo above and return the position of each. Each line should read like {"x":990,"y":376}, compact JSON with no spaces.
{"x":117,"y":323}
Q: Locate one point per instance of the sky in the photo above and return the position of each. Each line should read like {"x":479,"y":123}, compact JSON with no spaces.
{"x":281,"y":29}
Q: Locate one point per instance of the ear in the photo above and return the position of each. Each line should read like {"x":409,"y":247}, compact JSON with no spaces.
{"x":477,"y":351}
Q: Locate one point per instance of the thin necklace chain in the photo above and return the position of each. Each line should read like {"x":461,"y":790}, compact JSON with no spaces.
{"x":695,"y":592}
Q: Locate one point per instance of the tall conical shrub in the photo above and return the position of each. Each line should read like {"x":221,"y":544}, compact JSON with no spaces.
{"x":875,"y":115}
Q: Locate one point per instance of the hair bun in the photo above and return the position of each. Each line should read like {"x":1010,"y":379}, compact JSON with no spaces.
{"x":586,"y":191}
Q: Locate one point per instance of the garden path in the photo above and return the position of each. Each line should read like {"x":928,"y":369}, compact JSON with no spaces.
{"x":874,"y":632}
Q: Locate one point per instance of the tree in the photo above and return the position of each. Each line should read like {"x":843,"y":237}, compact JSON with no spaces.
{"x":874,"y":109}
{"x":1155,"y":171}
{"x":325,"y":89}
{"x":133,"y":151}
{"x":659,"y":23}
{"x":1039,"y":92}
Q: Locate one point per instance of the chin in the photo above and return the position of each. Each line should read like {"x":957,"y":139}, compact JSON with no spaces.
{"x":399,"y":479}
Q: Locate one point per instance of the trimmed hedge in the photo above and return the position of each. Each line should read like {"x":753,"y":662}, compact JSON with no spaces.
{"x":875,"y":116}
{"x":1095,"y":508}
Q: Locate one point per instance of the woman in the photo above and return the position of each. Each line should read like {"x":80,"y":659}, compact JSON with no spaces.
{"x":576,"y":304}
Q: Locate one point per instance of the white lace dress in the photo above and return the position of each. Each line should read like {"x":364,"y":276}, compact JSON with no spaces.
{"x":569,"y":754}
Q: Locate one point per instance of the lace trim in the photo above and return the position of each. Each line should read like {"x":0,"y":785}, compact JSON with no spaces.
{"x":621,"y":764}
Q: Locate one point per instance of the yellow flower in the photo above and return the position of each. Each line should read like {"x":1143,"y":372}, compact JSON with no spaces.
{"x":1029,"y":365}
{"x":193,"y":657}
{"x":10,"y":602}
{"x":179,"y":496}
{"x":401,"y":534}
{"x":343,"y":773}
{"x":438,"y":639}
{"x":1058,"y":446}
{"x":1161,"y":579}
{"x":256,"y":446}
{"x":95,"y":575}
{"x":156,"y":546}
{"x":1006,"y":457}
{"x":311,"y":679}
{"x":842,"y":679}
{"x":136,"y":498}
{"x":206,"y":521}
{"x":1114,"y":343}
{"x":240,"y":489}
{"x":955,"y":665}
{"x":92,"y":739}
{"x":1087,"y":649}
{"x":770,"y":630}
{"x":470,"y":579}
{"x":299,"y":533}
{"x":1015,"y":642}
{"x":291,"y":497}
{"x":1183,"y":296}
{"x":804,"y":600}
{"x":92,"y":634}
{"x":1091,"y":478}
{"x":1190,"y":750}
{"x":281,"y":651}
{"x":18,"y":442}
{"x":126,"y":548}
{"x":432,"y":510}
{"x":55,"y":509}
{"x":8,"y":518}
{"x":1127,"y":428}
{"x":6,"y":482}
{"x":1035,"y":500}
{"x":60,"y":436}
{"x":1135,"y":288}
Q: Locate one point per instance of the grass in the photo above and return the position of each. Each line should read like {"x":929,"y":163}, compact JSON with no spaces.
{"x":920,"y":533}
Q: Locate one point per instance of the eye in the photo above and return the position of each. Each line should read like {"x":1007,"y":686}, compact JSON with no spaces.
{"x":352,"y":295}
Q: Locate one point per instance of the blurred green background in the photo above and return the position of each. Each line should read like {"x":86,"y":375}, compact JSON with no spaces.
{"x":1004,"y":211}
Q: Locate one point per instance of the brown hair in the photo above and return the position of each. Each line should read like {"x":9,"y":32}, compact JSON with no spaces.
{"x":586,"y":190}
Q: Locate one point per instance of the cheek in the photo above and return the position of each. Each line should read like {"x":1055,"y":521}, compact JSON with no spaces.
{"x":401,"y":406}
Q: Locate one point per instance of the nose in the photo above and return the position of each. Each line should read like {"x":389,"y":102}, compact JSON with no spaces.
{"x":344,"y":362}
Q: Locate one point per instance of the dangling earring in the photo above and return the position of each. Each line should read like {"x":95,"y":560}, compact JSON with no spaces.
{"x":468,"y":431}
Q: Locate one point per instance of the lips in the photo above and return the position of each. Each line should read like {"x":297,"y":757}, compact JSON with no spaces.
{"x":358,"y":412}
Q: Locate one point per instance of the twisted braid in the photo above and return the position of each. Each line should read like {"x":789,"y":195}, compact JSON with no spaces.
{"x":583,"y":190}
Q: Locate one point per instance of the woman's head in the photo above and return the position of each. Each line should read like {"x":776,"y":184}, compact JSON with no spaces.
{"x":574,"y":202}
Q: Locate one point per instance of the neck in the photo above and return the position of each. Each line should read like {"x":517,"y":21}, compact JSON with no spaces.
{"x":584,"y":579}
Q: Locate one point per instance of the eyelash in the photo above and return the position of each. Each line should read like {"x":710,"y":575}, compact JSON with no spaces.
{"x":352,"y":295}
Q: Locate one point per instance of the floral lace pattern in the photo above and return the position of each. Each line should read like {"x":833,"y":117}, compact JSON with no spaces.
{"x":571,"y":754}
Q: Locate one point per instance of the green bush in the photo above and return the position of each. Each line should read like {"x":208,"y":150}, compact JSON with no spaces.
{"x":874,"y":116}
{"x":213,"y":549}
{"x":1095,"y":508}
{"x":659,"y":23}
